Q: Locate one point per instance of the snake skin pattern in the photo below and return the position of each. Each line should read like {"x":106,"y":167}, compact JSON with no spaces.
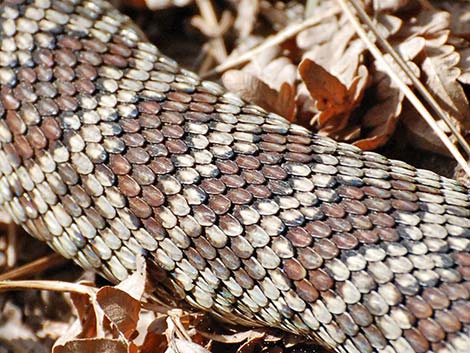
{"x":109,"y":150}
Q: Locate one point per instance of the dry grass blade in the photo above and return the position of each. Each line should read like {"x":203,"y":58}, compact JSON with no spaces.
{"x":57,"y":286}
{"x":36,"y":266}
{"x":419,"y":106}
{"x":280,"y":37}
{"x":409,"y":73}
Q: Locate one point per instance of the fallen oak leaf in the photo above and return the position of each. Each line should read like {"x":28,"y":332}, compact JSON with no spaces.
{"x":251,"y":344}
{"x":286,"y":99}
{"x":96,"y":310}
{"x":380,"y":137}
{"x":460,"y":14}
{"x":86,"y":325}
{"x":333,"y":99}
{"x":438,"y":63}
{"x":419,"y":134}
{"x":441,"y":74}
{"x":135,"y":284}
{"x":383,"y":115}
{"x":90,"y":317}
{"x":252,"y":89}
{"x":350,"y":133}
{"x":120,"y":308}
{"x":109,"y":310}
{"x":430,"y":24}
{"x":155,"y":340}
{"x":321,"y":33}
{"x":277,"y":71}
{"x":338,"y":50}
{"x":102,"y":345}
{"x":163,"y":328}
{"x":258,"y":61}
{"x":325,"y":88}
{"x":328,"y":48}
{"x":90,"y":323}
{"x":121,"y":304}
{"x":183,"y":346}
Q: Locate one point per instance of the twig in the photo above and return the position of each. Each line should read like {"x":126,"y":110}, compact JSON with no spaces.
{"x":280,"y":37}
{"x":12,"y":236}
{"x":416,"y":82}
{"x":37,"y":266}
{"x":404,"y":87}
{"x":56,"y":286}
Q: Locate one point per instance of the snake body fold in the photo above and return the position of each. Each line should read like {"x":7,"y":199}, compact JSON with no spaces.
{"x":108,"y":150}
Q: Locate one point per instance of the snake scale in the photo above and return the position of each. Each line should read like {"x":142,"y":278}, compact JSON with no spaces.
{"x":109,"y":150}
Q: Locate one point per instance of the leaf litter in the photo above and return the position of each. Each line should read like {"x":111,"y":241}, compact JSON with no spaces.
{"x":322,"y":77}
{"x":340,"y":91}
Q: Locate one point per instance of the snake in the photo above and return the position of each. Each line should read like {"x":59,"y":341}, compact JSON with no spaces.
{"x":110,"y":151}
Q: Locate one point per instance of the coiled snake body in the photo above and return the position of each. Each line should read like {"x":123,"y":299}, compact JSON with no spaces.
{"x":109,"y":150}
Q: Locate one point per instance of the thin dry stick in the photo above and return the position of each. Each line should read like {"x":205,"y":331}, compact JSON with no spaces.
{"x":37,"y":266}
{"x":404,"y":87}
{"x":280,"y":37}
{"x":56,"y":286}
{"x":416,"y":82}
{"x":12,"y":236}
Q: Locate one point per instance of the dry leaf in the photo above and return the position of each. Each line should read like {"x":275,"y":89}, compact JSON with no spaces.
{"x":460,"y":17}
{"x":182,"y":346}
{"x":388,"y":25}
{"x":429,"y":24}
{"x":120,"y":308}
{"x":251,"y":345}
{"x":101,"y":345}
{"x":334,"y":100}
{"x":419,"y":134}
{"x":277,"y":72}
{"x":87,"y":320}
{"x":256,"y":91}
{"x":441,"y":74}
{"x":134,"y":285}
{"x":325,"y":88}
{"x":322,"y":33}
{"x":331,"y":51}
{"x":381,"y":118}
